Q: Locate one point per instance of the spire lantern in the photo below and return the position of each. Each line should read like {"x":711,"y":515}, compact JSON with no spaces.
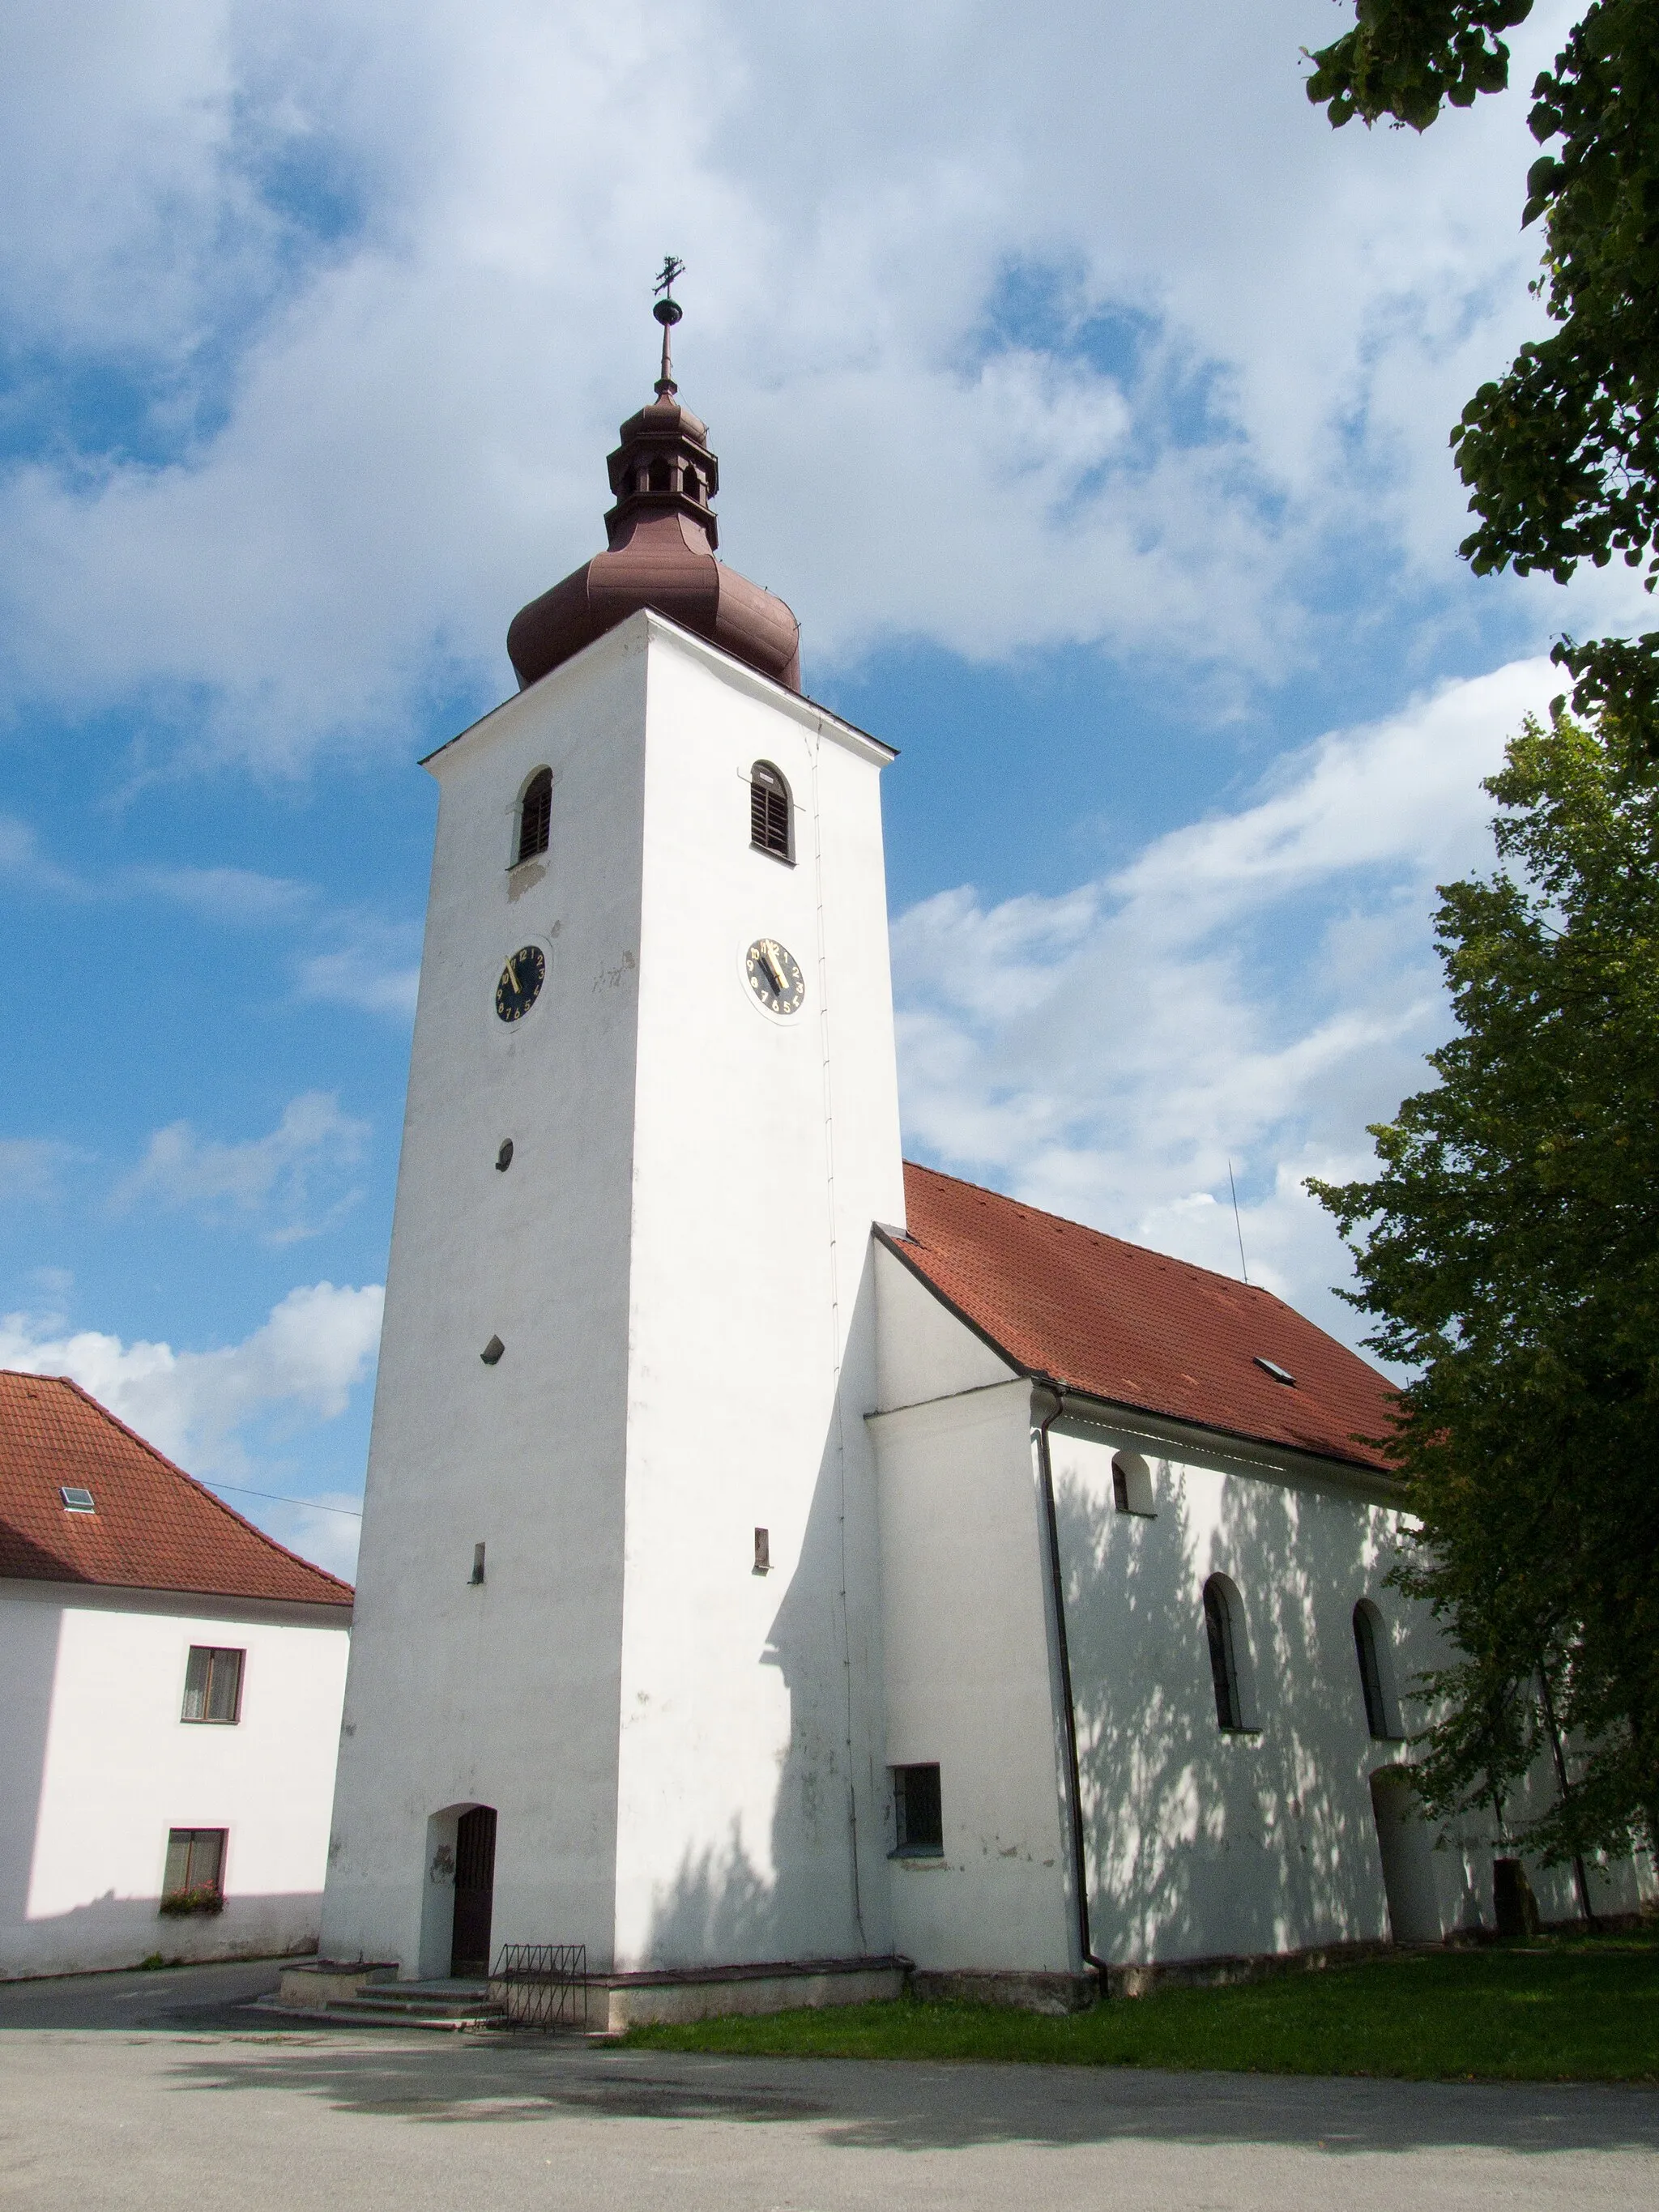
{"x":660,"y":535}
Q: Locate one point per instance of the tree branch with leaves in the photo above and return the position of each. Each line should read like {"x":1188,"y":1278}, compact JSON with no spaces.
{"x":1561,"y":454}
{"x":1508,"y":1248}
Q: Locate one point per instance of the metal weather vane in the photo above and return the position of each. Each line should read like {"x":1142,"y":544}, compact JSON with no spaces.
{"x":667,"y":312}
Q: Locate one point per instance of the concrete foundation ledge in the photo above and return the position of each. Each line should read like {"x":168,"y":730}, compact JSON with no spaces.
{"x":1216,"y":1973}
{"x":619,"y":2002}
{"x":320,"y":1980}
{"x":1019,"y":1992}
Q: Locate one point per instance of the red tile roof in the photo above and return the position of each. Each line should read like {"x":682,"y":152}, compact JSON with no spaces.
{"x":154,"y":1528}
{"x":1115,"y":1321}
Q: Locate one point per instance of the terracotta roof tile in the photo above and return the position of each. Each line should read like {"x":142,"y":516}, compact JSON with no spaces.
{"x":1115,"y":1322}
{"x":154,"y":1528}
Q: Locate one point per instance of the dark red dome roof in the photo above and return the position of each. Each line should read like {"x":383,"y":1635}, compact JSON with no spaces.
{"x":662,"y":535}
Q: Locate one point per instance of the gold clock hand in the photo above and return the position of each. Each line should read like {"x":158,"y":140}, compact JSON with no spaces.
{"x":513,"y":975}
{"x":770,"y":967}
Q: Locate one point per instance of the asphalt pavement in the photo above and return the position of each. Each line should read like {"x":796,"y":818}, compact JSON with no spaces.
{"x":165,"y":2089}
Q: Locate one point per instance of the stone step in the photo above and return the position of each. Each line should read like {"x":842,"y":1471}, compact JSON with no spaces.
{"x":418,"y":2012}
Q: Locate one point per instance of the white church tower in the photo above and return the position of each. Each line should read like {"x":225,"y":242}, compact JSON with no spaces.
{"x":616,"y":1673}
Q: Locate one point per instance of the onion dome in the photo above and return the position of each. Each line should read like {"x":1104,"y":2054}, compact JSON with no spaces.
{"x":661,"y":538}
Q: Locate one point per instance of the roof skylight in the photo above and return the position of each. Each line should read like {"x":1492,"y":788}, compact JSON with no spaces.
{"x":76,"y":1500}
{"x":1279,"y":1374}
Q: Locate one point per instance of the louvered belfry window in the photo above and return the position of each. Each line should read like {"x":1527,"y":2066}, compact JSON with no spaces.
{"x":769,"y":810}
{"x":536,"y":815}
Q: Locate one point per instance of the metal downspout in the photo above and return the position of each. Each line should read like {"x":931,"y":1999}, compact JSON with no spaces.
{"x":1068,"y":1708}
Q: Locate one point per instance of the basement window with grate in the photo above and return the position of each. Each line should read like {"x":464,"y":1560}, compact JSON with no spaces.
{"x":213,"y":1685}
{"x":769,"y":812}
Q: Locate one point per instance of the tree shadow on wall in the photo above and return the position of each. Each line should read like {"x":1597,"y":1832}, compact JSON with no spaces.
{"x":728,"y":1903}
{"x":1199,"y":1841}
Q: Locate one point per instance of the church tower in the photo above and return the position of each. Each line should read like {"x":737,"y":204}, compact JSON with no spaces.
{"x":616,"y":1673}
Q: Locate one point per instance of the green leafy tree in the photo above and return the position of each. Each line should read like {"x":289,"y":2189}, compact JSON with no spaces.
{"x":1508,"y":1248}
{"x":1561,"y":455}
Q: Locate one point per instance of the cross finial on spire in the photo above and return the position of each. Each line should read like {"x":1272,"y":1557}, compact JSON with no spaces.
{"x":667,"y":312}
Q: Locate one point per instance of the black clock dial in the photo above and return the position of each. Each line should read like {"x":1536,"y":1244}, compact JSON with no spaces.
{"x":774,"y":975}
{"x":520,"y":979}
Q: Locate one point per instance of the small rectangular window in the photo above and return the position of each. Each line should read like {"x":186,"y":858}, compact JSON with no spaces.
{"x":77,"y":1500}
{"x":195,"y":1876}
{"x":918,"y":1812}
{"x":213,"y":1685}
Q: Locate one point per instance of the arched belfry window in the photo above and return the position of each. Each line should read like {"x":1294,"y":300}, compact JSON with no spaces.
{"x":1370,"y":1646}
{"x":535,"y":816}
{"x":769,"y":811}
{"x":1229,"y":1657}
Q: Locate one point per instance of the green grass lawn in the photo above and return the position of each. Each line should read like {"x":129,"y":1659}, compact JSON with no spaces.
{"x":1564,"y":2009}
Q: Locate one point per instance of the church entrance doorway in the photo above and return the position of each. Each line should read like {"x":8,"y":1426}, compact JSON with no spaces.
{"x":475,"y":1890}
{"x":1402,"y":1837}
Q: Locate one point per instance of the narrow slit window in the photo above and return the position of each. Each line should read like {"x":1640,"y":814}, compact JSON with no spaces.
{"x":1223,"y":1634}
{"x":769,"y":811}
{"x":213,"y":1685}
{"x":918,"y":1812}
{"x":535,"y":816}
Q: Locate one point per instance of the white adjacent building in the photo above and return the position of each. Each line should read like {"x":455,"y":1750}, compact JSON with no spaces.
{"x":171,"y":1711}
{"x":776,"y":1564}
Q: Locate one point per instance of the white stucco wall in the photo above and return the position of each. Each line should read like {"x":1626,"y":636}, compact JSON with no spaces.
{"x":1196,"y":1842}
{"x":505,"y":1693}
{"x":677,"y":1262}
{"x":98,"y":1766}
{"x":971,"y":1679}
{"x":763,"y":1149}
{"x":1200,"y":1842}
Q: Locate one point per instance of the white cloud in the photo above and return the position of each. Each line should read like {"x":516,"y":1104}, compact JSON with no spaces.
{"x":375,"y":280}
{"x":29,"y":1165}
{"x":275,"y":1178}
{"x":302,"y":1364}
{"x":377,"y":970}
{"x":232,"y":895}
{"x":318,"y":1530}
{"x":1254,"y":988}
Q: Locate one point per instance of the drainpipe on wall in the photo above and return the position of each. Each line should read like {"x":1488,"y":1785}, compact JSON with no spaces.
{"x":1069,"y":1711}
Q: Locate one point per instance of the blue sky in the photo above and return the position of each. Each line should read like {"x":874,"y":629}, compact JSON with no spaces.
{"x":1085,"y":396}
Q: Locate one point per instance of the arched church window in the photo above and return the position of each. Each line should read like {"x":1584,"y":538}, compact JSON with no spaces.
{"x":1224,"y":1630}
{"x":660,"y":476}
{"x":1371,"y":1644}
{"x":769,"y":811}
{"x":693,"y":489}
{"x":535,"y":816}
{"x":1132,"y":1483}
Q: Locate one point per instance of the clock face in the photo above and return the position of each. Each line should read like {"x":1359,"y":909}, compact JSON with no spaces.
{"x":774,"y":975}
{"x":520,"y":979}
